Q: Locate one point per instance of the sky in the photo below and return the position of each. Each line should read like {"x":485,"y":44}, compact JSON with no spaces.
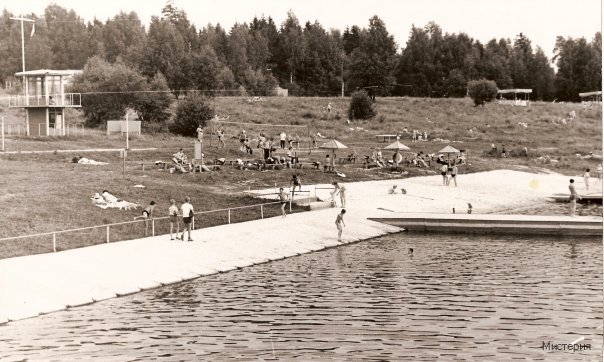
{"x":541,"y":20}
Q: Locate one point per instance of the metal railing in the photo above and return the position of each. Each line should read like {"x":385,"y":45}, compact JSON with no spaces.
{"x":15,"y":130}
{"x":67,"y":100}
{"x":151,"y":221}
{"x":70,"y":130}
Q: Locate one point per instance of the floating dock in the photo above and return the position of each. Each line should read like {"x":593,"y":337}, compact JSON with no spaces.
{"x":586,"y":198}
{"x":497,"y":224}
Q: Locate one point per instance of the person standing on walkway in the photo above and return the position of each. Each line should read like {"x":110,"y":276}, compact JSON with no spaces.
{"x":187,"y":217}
{"x":599,"y":172}
{"x":173,"y":214}
{"x":283,"y":198}
{"x":340,"y":189}
{"x":573,"y":198}
{"x":443,"y":172}
{"x":586,"y":179}
{"x":453,"y":175}
{"x":340,"y":223}
{"x":282,"y":138}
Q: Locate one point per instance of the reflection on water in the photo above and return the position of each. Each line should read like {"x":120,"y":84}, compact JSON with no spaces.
{"x":455,"y":297}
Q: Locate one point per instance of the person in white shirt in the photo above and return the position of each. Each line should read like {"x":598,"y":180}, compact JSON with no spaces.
{"x":199,"y":134}
{"x":586,"y":179}
{"x":187,"y":217}
{"x":283,"y":138}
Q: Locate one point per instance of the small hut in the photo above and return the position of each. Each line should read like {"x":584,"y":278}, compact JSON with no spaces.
{"x":514,"y":97}
{"x":589,"y":97}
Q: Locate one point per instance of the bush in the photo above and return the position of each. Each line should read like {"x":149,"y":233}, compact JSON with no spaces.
{"x":361,"y":106}
{"x":482,"y":91}
{"x":154,"y":106}
{"x":190,"y":113}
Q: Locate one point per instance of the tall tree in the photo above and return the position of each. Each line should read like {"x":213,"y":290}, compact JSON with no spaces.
{"x":121,"y":33}
{"x":67,"y":38}
{"x":415,"y":59}
{"x":292,"y":44}
{"x":163,"y":53}
{"x":520,"y":61}
{"x":374,"y":61}
{"x":495,"y":63}
{"x":542,"y":77}
{"x":577,"y":67}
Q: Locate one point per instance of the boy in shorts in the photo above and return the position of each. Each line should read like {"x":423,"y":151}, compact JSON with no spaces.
{"x":340,"y":223}
{"x":173,"y":213}
{"x":296,"y":182}
{"x":283,"y":198}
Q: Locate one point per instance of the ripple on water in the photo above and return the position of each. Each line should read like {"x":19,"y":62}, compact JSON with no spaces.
{"x":478,"y":298}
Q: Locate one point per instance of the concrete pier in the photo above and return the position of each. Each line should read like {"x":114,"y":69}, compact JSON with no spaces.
{"x":498,"y":224}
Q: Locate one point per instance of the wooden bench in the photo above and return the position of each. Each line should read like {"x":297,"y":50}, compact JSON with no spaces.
{"x":348,"y":159}
{"x":384,"y":136}
{"x":199,"y":168}
{"x":301,"y":165}
{"x":161,"y":165}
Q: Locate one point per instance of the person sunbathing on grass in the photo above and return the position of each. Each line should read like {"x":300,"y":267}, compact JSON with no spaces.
{"x":109,"y":198}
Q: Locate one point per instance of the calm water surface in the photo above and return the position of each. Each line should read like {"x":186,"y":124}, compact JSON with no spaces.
{"x":455,"y":298}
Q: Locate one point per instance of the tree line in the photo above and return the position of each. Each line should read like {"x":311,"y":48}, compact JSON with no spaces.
{"x":253,"y":58}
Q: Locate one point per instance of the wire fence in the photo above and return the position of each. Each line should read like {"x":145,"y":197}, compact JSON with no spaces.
{"x":103,"y":234}
{"x":21,"y":130}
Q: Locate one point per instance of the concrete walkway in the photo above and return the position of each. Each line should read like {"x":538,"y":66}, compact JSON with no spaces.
{"x":50,"y":282}
{"x":44,"y":283}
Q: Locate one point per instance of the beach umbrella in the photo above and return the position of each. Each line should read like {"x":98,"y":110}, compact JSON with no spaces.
{"x":449,"y":150}
{"x":398,"y":146}
{"x":333,"y":145}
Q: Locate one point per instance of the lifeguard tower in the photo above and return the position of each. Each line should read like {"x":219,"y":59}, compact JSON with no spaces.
{"x":45,"y":100}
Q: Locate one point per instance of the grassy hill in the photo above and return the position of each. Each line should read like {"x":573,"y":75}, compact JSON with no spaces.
{"x":46,"y":192}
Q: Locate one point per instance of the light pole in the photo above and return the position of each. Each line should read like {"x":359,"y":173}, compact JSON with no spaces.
{"x":22,"y":19}
{"x":342,"y":70}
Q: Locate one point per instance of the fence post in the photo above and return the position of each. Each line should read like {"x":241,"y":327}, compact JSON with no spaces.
{"x":107,"y":234}
{"x":152,"y":227}
{"x":54,"y":242}
{"x":229,"y":216}
{"x":261,"y":212}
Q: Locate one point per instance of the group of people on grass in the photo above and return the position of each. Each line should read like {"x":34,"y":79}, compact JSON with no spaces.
{"x":267,"y":143}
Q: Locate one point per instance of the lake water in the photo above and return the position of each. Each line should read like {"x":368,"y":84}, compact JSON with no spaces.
{"x":456,"y":297}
